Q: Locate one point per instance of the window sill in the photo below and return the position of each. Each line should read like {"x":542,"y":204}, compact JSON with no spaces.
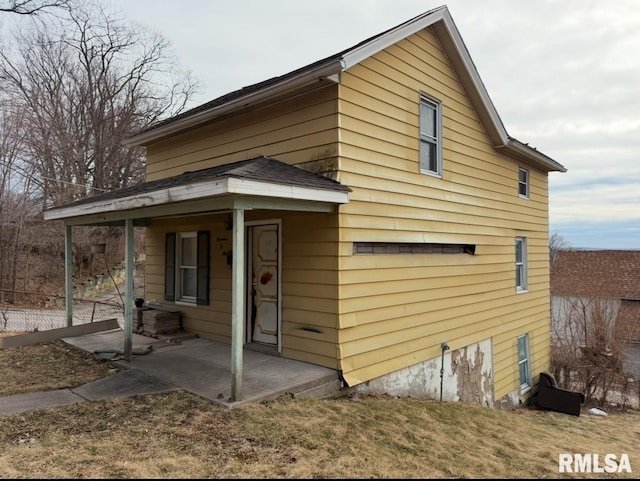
{"x":184,"y":302}
{"x":521,"y":291}
{"x":430,"y":173}
{"x":524,"y":390}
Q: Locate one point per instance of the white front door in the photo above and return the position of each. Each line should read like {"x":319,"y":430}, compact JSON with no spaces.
{"x":264,"y":276}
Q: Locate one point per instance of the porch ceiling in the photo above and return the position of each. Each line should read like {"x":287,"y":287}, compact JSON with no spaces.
{"x":261,"y":183}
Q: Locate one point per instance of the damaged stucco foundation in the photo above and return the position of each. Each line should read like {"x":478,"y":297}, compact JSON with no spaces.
{"x":468,"y":377}
{"x":509,"y":401}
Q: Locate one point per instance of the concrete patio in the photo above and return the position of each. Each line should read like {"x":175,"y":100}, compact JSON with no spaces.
{"x":203,"y":367}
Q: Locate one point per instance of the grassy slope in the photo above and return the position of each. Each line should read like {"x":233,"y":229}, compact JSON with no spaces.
{"x":179,"y":435}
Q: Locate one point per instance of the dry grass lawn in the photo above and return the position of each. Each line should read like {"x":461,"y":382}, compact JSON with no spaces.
{"x":180,"y":435}
{"x":43,"y":367}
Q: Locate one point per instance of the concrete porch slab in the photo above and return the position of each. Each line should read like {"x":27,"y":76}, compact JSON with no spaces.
{"x":203,"y":367}
{"x":113,"y":340}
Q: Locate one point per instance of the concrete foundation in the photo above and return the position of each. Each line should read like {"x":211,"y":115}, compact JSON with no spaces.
{"x":468,"y":377}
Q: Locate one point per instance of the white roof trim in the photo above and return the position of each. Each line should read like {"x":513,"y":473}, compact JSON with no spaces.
{"x":475,"y":76}
{"x":441,"y":14}
{"x":358,"y":54}
{"x":537,"y":158}
{"x":285,"y":191}
{"x":197,"y":191}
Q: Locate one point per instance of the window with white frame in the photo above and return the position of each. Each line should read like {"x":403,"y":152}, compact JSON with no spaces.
{"x":430,"y":136}
{"x":521,"y":264}
{"x":186,"y":275}
{"x":524,"y":366}
{"x":186,"y":266}
{"x":523,"y":183}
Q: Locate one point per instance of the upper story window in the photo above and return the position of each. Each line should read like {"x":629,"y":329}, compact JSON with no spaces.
{"x":430,"y":136}
{"x":521,"y":264}
{"x":523,"y":183}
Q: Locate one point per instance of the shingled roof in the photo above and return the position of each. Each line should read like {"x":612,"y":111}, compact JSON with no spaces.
{"x":268,"y":171}
{"x":608,"y":273}
{"x":265,"y":84}
{"x":629,"y":316}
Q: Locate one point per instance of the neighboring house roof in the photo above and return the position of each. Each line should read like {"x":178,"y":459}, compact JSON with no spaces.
{"x":603,"y":273}
{"x":329,"y":70}
{"x":629,"y":317}
{"x":246,"y":177}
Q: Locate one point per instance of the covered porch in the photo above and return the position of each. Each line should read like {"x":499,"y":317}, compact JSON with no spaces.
{"x":256,"y":184}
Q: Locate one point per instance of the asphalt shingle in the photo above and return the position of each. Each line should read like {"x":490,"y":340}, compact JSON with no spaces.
{"x":609,"y":273}
{"x":261,"y":169}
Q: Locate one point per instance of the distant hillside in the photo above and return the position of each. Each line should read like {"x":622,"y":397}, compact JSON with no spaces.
{"x":32,"y":258}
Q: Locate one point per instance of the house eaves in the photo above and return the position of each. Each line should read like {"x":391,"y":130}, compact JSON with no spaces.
{"x":245,"y":98}
{"x":329,"y":70}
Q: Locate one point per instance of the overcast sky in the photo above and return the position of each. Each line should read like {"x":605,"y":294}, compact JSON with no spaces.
{"x":564,"y":76}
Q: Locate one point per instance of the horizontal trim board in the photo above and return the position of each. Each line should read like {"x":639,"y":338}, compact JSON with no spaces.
{"x":131,"y":206}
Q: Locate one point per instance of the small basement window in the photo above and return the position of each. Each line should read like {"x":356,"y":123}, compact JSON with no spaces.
{"x":411,"y":248}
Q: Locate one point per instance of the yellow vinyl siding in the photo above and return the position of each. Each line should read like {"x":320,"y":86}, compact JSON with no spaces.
{"x":506,"y":354}
{"x":309,"y":288}
{"x":309,"y":281}
{"x":300,"y":131}
{"x":369,"y":315}
{"x":295,"y":131}
{"x":396,"y":309}
{"x":212,"y":321}
{"x":473,"y":188}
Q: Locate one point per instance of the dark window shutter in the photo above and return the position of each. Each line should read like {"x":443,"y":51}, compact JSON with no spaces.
{"x":203,"y":267}
{"x":170,"y":267}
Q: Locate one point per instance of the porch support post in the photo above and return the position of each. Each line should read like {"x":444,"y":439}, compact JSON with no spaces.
{"x":68,"y":276}
{"x":237,"y":304}
{"x":128,"y":298}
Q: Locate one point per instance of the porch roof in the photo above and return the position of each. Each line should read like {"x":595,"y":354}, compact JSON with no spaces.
{"x":262,"y":182}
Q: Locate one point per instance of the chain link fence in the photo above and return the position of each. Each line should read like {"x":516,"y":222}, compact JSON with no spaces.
{"x":22,"y":319}
{"x":97,"y":299}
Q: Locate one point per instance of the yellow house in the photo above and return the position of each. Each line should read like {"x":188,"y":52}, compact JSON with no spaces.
{"x":368,"y":213}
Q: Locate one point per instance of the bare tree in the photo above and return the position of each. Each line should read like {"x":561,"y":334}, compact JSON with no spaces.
{"x":31,"y":7}
{"x":87,"y":83}
{"x":589,"y":344}
{"x":73,"y":86}
{"x":557,"y":242}
{"x":11,"y":141}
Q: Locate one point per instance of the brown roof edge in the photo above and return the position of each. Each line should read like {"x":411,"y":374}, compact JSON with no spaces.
{"x":261,"y":169}
{"x":600,"y":273}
